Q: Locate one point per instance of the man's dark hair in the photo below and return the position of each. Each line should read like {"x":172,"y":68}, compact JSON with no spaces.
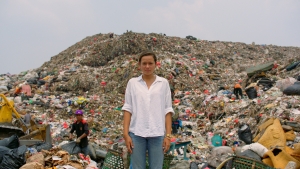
{"x":147,"y":53}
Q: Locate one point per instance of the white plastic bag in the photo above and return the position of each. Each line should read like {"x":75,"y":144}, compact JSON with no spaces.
{"x":284,"y":83}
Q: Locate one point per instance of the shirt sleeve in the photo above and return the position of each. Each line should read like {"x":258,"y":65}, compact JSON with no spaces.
{"x":72,"y":129}
{"x":128,"y":99}
{"x":86,"y":129}
{"x":168,"y":106}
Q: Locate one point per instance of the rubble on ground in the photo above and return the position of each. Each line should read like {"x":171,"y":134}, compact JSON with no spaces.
{"x":92,"y":75}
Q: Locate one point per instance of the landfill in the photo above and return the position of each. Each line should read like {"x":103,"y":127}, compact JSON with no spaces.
{"x":91,"y":75}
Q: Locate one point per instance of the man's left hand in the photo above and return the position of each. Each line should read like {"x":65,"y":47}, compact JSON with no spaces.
{"x":78,"y":140}
{"x":166,"y":144}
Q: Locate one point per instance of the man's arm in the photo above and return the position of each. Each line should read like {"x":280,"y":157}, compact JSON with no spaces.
{"x":71,"y":132}
{"x":86,"y":131}
{"x":82,"y":136}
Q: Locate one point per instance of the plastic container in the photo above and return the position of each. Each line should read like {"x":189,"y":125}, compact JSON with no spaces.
{"x":244,"y":163}
{"x":216,"y":140}
{"x":113,"y":160}
{"x":101,"y":153}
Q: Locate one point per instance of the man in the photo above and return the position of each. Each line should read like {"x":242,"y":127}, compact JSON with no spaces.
{"x":238,"y":90}
{"x":82,"y":131}
{"x":27,"y":118}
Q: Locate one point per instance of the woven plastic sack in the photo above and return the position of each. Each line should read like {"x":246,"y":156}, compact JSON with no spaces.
{"x":71,"y":148}
{"x":290,"y":135}
{"x":218,"y":155}
{"x":273,"y":136}
{"x":280,"y":158}
{"x":42,"y":146}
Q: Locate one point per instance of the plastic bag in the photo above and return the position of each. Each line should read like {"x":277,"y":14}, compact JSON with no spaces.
{"x":193,"y":165}
{"x":41,"y":82}
{"x":42,"y":146}
{"x":32,"y":80}
{"x":293,"y":90}
{"x":14,"y":158}
{"x":3,"y":150}
{"x":244,"y":133}
{"x":3,"y":89}
{"x":251,"y":93}
{"x":10,"y":142}
{"x":92,"y":165}
{"x":257,"y":148}
{"x":71,"y":147}
{"x":285,"y":83}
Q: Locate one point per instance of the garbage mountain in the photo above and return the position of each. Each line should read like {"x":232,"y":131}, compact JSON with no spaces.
{"x":92,"y":75}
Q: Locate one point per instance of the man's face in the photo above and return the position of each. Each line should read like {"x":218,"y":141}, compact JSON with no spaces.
{"x":78,"y":117}
{"x":147,"y":65}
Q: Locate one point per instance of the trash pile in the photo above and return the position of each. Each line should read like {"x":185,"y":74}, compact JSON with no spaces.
{"x":92,"y":76}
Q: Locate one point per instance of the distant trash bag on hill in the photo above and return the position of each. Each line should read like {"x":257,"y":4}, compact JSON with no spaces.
{"x":293,"y":90}
{"x":251,"y":93}
{"x":292,"y":66}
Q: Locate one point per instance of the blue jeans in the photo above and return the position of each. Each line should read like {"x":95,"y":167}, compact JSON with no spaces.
{"x":85,"y":150}
{"x":154,"y":145}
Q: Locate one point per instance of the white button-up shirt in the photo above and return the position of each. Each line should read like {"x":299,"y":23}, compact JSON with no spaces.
{"x":148,"y":107}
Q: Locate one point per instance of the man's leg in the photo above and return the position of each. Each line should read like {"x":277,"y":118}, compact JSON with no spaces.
{"x":240,"y":92}
{"x":138,"y":156}
{"x":155,"y":152}
{"x":85,"y":150}
{"x":236,"y":93}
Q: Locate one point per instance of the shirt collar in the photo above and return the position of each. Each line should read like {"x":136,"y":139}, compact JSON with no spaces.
{"x":157,"y":79}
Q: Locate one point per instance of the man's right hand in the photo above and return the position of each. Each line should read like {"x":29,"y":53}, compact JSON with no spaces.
{"x":70,"y":137}
{"x":129,"y":144}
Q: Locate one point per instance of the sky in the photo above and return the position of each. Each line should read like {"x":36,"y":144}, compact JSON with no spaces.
{"x":32,"y":31}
